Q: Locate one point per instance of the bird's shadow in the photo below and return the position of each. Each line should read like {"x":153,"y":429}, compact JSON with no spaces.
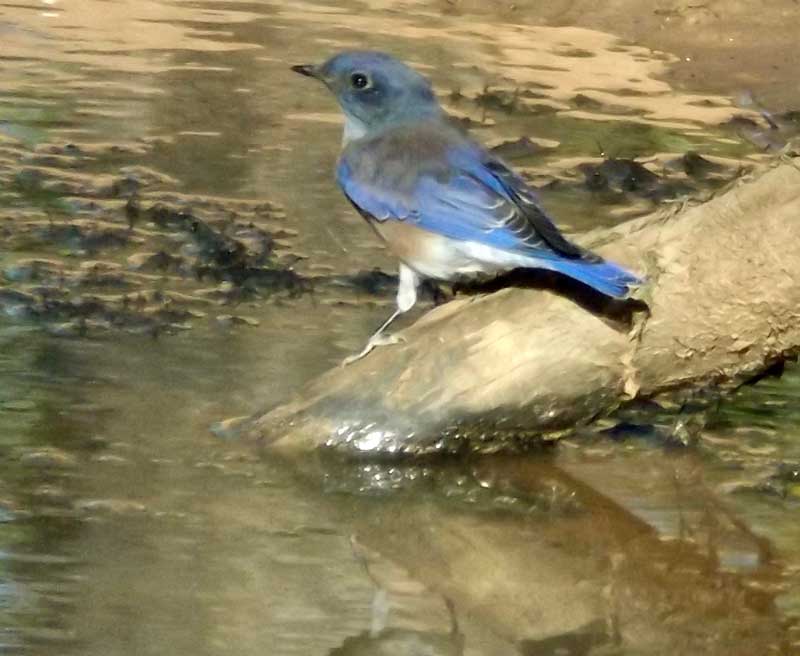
{"x":620,"y":311}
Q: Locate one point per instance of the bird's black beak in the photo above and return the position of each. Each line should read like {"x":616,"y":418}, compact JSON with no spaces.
{"x":309,"y":70}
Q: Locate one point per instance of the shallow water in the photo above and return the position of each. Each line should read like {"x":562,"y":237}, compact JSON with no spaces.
{"x":127,"y":528}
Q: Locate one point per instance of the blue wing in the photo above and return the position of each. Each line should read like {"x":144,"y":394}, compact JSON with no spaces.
{"x":451,"y":186}
{"x":466,"y":199}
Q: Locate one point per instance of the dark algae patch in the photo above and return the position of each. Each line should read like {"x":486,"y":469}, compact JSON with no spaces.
{"x":91,"y":252}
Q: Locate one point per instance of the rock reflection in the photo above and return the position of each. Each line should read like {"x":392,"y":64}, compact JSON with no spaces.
{"x":539,"y":561}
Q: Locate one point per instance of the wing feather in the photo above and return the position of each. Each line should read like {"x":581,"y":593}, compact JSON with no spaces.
{"x":449,"y":185}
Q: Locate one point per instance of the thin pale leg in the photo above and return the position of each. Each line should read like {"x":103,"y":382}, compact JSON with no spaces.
{"x":406,"y":298}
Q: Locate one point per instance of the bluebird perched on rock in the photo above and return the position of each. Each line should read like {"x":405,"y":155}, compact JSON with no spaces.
{"x":445,"y":206}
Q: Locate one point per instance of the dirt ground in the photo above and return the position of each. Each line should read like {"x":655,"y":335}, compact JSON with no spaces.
{"x":724,"y":46}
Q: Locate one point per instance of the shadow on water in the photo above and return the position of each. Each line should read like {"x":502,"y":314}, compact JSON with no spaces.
{"x":174,"y":252}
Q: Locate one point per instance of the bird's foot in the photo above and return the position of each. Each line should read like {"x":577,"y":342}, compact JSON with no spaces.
{"x":376,"y":340}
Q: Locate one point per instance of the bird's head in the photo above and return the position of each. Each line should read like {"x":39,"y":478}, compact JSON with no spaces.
{"x":375,"y":90}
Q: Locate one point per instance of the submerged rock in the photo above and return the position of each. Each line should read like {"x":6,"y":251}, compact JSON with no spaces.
{"x":375,"y":282}
{"x":696,"y":166}
{"x":772,"y":134}
{"x":517,"y":149}
{"x":619,"y":175}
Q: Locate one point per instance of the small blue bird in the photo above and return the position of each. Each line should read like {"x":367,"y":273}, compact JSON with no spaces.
{"x":445,"y":206}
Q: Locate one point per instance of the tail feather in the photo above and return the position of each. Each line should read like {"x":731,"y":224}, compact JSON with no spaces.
{"x":605,"y":277}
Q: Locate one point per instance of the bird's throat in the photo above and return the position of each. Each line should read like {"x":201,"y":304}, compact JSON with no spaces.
{"x":353,"y":130}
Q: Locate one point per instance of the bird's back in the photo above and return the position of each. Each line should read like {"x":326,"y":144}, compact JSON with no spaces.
{"x":399,"y":157}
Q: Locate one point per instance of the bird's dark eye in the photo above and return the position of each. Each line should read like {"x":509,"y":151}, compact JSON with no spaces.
{"x":359,"y":81}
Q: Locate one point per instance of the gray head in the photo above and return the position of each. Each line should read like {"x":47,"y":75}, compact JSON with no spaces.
{"x":374,"y":89}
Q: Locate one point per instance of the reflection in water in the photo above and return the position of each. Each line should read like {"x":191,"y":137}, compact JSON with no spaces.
{"x":547,"y":562}
{"x":125,"y":528}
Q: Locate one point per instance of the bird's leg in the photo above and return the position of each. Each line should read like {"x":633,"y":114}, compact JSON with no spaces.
{"x":406,"y":297}
{"x":377,"y":339}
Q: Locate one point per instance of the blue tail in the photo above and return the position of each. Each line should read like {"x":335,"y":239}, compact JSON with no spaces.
{"x":606,"y":277}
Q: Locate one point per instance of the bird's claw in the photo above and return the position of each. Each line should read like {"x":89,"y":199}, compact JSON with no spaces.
{"x":377,"y":340}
